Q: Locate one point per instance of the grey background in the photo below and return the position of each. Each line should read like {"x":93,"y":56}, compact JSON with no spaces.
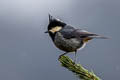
{"x":26,"y":53}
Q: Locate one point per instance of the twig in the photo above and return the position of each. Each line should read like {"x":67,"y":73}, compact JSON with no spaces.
{"x":80,"y":71}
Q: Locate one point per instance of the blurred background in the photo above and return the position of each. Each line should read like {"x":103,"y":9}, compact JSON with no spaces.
{"x":27,"y":53}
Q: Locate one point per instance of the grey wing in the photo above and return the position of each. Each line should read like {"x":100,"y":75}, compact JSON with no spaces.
{"x":80,"y":33}
{"x":83,"y":33}
{"x":69,"y":32}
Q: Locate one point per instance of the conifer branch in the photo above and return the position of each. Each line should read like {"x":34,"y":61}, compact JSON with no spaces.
{"x":78,"y":69}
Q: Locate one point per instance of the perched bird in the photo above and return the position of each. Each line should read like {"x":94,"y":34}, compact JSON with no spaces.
{"x":66,"y":37}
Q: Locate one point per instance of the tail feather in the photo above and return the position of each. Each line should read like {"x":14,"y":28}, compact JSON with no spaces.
{"x":98,"y":37}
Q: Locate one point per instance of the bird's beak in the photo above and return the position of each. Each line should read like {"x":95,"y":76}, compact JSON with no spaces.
{"x":46,"y":31}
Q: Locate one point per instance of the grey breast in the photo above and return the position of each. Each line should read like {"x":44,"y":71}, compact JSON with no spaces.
{"x":68,"y":45}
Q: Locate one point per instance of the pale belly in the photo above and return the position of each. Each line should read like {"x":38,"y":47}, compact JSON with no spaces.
{"x":67,"y":45}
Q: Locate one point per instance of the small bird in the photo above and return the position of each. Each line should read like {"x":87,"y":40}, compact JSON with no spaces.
{"x":67,"y":38}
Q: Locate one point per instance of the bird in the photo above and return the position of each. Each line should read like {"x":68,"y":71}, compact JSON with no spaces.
{"x":67,"y":38}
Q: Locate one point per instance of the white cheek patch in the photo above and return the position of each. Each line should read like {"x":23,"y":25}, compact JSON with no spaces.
{"x":55,"y":29}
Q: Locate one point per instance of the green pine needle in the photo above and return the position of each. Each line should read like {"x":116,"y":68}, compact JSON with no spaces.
{"x":80,"y":71}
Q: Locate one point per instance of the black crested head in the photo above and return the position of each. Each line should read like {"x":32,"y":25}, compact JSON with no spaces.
{"x":55,"y":25}
{"x":53,"y":22}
